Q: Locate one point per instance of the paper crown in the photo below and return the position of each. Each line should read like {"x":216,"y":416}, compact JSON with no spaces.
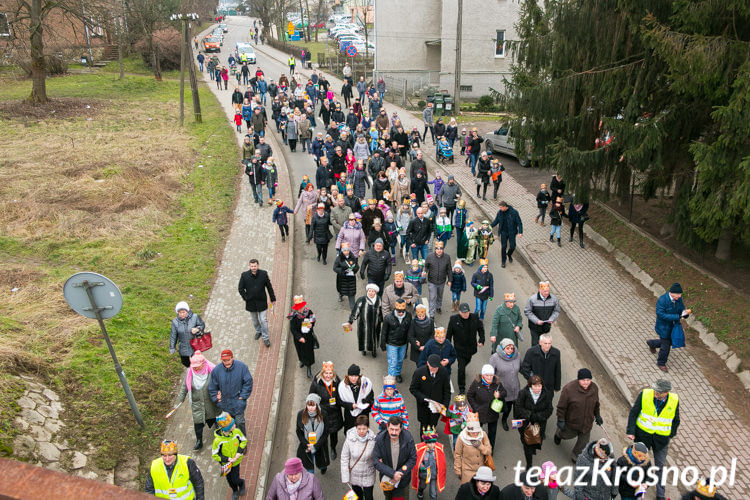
{"x":460,"y":398}
{"x":398,"y":273}
{"x":439,"y":331}
{"x":389,"y":381}
{"x":544,"y":285}
{"x":327,"y":365}
{"x":705,"y":488}
{"x":510,"y":297}
{"x":168,"y":447}
{"x":439,"y":244}
{"x":372,"y":201}
{"x":482,"y":262}
{"x":429,"y":434}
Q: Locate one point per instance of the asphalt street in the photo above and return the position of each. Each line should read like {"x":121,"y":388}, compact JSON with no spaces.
{"x":317,"y":283}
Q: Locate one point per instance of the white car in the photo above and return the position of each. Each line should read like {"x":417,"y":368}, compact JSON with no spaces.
{"x":224,"y":28}
{"x":247,"y":49}
{"x":501,"y":141}
{"x":363,"y":46}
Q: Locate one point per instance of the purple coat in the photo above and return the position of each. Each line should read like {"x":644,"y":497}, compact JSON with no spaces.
{"x":354,"y":236}
{"x":309,"y":489}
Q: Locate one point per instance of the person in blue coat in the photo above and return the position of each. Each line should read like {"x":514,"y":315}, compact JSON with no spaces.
{"x":509,"y":225}
{"x":483,"y":284}
{"x":230,"y":386}
{"x":443,"y":348}
{"x":669,"y":311}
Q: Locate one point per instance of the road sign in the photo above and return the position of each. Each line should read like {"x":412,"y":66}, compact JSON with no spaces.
{"x":351,"y":51}
{"x":290,"y":28}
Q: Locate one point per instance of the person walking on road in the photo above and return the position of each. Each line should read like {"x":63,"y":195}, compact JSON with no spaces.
{"x":357,"y":469}
{"x":396,"y":443}
{"x":418,"y":234}
{"x":185,"y":327}
{"x":483,"y":284}
{"x":597,"y":479}
{"x":253,"y":286}
{"x":439,"y":273}
{"x":420,"y":332}
{"x":438,"y":345}
{"x":389,"y":403}
{"x":507,"y":322}
{"x":466,"y":333}
{"x":507,"y":364}
{"x":430,"y":383}
{"x":429,"y":473}
{"x":377,"y":265}
{"x":427,"y":118}
{"x":355,"y":393}
{"x":174,"y":473}
{"x":653,"y":420}
{"x":484,"y":389}
{"x":228,"y":448}
{"x":230,"y":387}
{"x":394,"y":338}
{"x":509,"y":225}
{"x":577,"y":410}
{"x":294,"y":480}
{"x":472,"y":446}
{"x":346,"y":266}
{"x":542,"y":309}
{"x":196,"y":384}
{"x":670,"y":310}
{"x":481,"y":487}
{"x":577,"y":215}
{"x":634,"y":456}
{"x":312,"y":433}
{"x":292,"y":64}
{"x":301,"y":326}
{"x":368,"y":314}
{"x":543,"y":360}
{"x":399,"y":289}
{"x":320,"y":232}
{"x":534,"y":406}
{"x":325,"y":384}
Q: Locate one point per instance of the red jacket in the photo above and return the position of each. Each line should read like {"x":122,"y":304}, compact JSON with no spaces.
{"x":439,"y":459}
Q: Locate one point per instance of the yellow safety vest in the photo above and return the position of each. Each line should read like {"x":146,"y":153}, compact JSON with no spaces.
{"x":657,"y":423}
{"x":176,"y":487}
{"x":291,"y":61}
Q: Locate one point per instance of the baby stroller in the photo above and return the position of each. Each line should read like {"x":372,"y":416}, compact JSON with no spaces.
{"x":444,"y":152}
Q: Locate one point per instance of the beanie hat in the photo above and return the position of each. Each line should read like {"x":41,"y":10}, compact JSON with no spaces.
{"x":548,"y":469}
{"x":505,"y":343}
{"x":584,"y":373}
{"x":225,"y":421}
{"x":314,"y":398}
{"x":379,"y":240}
{"x":181,"y":305}
{"x":675,"y":288}
{"x":353,"y":370}
{"x":488,"y":370}
{"x":293,"y":466}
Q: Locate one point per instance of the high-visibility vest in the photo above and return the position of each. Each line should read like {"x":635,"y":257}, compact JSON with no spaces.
{"x":657,"y":423}
{"x":291,"y":61}
{"x":178,"y":486}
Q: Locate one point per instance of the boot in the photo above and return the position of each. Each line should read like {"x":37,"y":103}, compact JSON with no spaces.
{"x":536,"y":219}
{"x":580,"y":242}
{"x":571,"y":238}
{"x":558,"y":242}
{"x":542,"y":223}
{"x":198,"y":444}
{"x":309,"y":373}
{"x":550,"y":238}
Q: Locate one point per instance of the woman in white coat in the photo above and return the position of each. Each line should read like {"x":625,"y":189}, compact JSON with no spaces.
{"x":357,"y":469}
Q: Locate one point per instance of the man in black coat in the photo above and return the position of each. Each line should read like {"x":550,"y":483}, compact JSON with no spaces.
{"x":257,"y":177}
{"x":253,"y":287}
{"x":398,"y":474}
{"x":377,"y":264}
{"x":394,"y":338}
{"x":418,"y":234}
{"x":432,"y":382}
{"x":524,"y":492}
{"x":543,"y":360}
{"x":509,"y":225}
{"x":324,"y":174}
{"x":466,"y":333}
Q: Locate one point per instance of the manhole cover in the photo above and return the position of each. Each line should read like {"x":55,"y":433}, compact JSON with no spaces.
{"x":538,"y":248}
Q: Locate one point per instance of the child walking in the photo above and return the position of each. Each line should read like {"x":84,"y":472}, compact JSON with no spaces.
{"x":280,"y":218}
{"x":556,"y":213}
{"x":542,"y":200}
{"x":238,"y":120}
{"x":415,"y":275}
{"x":458,"y":284}
{"x":228,"y":449}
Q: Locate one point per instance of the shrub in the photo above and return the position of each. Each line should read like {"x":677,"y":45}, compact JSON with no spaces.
{"x":167,"y":45}
{"x":486,"y":103}
{"x":421,"y":104}
{"x":55,"y":65}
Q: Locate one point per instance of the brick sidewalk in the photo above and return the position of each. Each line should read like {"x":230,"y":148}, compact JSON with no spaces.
{"x":605,"y":305}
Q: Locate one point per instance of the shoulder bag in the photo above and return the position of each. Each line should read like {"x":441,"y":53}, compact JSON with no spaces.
{"x":532,"y":435}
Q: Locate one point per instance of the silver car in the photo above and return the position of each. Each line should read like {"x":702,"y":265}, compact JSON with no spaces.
{"x":247,"y":49}
{"x":501,"y":141}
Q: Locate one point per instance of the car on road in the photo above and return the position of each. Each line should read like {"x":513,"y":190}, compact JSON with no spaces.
{"x":501,"y":141}
{"x":211,"y":44}
{"x":247,"y":49}
{"x":224,"y":28}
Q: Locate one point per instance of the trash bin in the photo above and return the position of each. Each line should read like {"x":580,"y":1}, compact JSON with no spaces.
{"x":430,"y":98}
{"x":438,"y":104}
{"x":448,"y":107}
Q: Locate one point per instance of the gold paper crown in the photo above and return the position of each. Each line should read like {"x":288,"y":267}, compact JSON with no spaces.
{"x":372,"y":201}
{"x":168,"y":447}
{"x":510,"y":297}
{"x":389,"y":380}
{"x":327,"y":365}
{"x":482,"y":262}
{"x":440,"y":330}
{"x":472,"y":417}
{"x":460,"y":398}
{"x":439,"y":244}
{"x":705,"y":488}
{"x":398,"y":273}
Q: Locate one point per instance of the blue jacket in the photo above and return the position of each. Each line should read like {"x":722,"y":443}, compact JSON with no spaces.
{"x":234,"y":383}
{"x":247,"y":113}
{"x":667,"y":314}
{"x":279,"y":215}
{"x":262,"y":86}
{"x":458,"y":282}
{"x":508,"y":222}
{"x":444,"y":350}
{"x":316,"y":148}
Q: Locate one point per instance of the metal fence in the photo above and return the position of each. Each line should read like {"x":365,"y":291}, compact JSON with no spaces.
{"x":407,"y":89}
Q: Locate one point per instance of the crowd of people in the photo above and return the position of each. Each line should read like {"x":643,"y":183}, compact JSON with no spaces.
{"x":407,"y":218}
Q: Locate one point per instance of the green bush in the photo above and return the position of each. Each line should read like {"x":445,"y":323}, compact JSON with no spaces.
{"x":421,"y":104}
{"x":486,"y":103}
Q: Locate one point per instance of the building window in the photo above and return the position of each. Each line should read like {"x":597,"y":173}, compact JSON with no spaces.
{"x":500,"y":44}
{"x":4,"y":26}
{"x":466,"y":88}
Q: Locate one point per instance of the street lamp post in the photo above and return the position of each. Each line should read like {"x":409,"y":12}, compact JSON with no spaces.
{"x":186,"y":58}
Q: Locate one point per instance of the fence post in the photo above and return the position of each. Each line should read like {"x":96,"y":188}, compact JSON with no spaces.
{"x":403,"y":94}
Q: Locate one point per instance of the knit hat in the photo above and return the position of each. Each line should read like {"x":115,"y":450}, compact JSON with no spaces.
{"x":505,"y":343}
{"x":637,"y":451}
{"x":225,"y":421}
{"x":313,"y":397}
{"x":379,"y":240}
{"x":488,"y":370}
{"x":433,"y":360}
{"x":584,"y":373}
{"x":372,"y":286}
{"x":451,"y":177}
{"x":353,"y":370}
{"x":662,"y":385}
{"x":457,"y":265}
{"x":181,"y":305}
{"x":675,"y":288}
{"x":293,"y":466}
{"x":548,"y":469}
{"x":484,"y":473}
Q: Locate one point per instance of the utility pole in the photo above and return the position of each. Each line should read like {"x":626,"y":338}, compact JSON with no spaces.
{"x":186,"y":53}
{"x":120,"y":43}
{"x":457,"y":76}
{"x":182,"y":71}
{"x":193,"y":81}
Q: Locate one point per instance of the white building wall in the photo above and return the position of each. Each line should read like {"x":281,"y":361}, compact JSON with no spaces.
{"x":402,"y":27}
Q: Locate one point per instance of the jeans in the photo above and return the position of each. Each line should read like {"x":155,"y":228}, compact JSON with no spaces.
{"x":507,"y":241}
{"x":417,"y":250}
{"x":456,"y":296}
{"x":555,"y":231}
{"x":260,"y":322}
{"x":395,"y":358}
{"x":473,"y":162}
{"x":480,"y":307}
{"x":664,"y":346}
{"x":271,"y":190}
{"x":432,"y":488}
{"x":257,"y":193}
{"x":200,"y":65}
{"x":436,"y":297}
{"x":542,"y":212}
{"x":462,"y":362}
{"x":263,"y":98}
{"x":306,"y":143}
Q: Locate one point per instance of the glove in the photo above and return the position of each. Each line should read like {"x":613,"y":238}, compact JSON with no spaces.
{"x":305,"y":329}
{"x":561,"y":424}
{"x":599,"y":420}
{"x":171,"y":350}
{"x":491,"y":298}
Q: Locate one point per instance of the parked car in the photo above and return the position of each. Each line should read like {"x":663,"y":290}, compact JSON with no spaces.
{"x":501,"y":141}
{"x":211,"y":44}
{"x":224,"y":28}
{"x":246,"y":48}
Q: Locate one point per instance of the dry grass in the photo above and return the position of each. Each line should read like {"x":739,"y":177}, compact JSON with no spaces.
{"x":110,"y":175}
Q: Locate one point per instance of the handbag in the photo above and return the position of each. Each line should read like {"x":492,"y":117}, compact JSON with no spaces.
{"x":202,"y":341}
{"x":678,"y":336}
{"x":316,"y":344}
{"x":477,"y":181}
{"x":532,"y":435}
{"x":489,"y":462}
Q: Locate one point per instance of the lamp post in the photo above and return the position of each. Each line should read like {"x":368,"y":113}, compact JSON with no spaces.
{"x":186,"y":58}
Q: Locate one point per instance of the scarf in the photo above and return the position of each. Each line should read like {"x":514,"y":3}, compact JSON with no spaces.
{"x":422,"y":322}
{"x":534,"y":397}
{"x":207,"y":368}
{"x":291,"y":488}
{"x":371,"y":301}
{"x":470,"y":441}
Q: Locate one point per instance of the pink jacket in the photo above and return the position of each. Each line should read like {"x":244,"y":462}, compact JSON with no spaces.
{"x":309,"y":489}
{"x":354,"y":236}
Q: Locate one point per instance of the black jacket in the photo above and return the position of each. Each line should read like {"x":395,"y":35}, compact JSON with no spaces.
{"x":375,"y":165}
{"x":424,"y":386}
{"x":420,"y":188}
{"x":332,"y":413}
{"x":533,"y":413}
{"x":438,"y":268}
{"x":463,"y":333}
{"x":576,"y":217}
{"x":379,"y":186}
{"x":255,"y":172}
{"x":346,"y":285}
{"x":535,"y":362}
{"x":395,"y":333}
{"x":508,"y":222}
{"x":468,"y":491}
{"x":323,"y":176}
{"x":416,"y":166}
{"x":407,"y":457}
{"x":338,"y":163}
{"x":418,"y":231}
{"x":253,"y":287}
{"x":195,"y":478}
{"x":556,"y":186}
{"x":377,"y":265}
{"x":319,"y":228}
{"x":422,"y":334}
{"x":480,"y":398}
{"x":322,"y":459}
{"x":513,"y":492}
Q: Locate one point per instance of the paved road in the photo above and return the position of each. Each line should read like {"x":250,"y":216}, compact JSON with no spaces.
{"x":317,"y":283}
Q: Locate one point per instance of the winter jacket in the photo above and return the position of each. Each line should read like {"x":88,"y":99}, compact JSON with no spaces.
{"x":439,"y":269}
{"x":420,"y":188}
{"x":407,"y":457}
{"x":465,"y":333}
{"x":316,"y":148}
{"x":309,"y":489}
{"x":182,"y":332}
{"x":319,"y":228}
{"x":339,"y":216}
{"x":542,"y":198}
{"x":508,"y":223}
{"x":578,"y":407}
{"x":332,"y":412}
{"x":248,"y":150}
{"x":354,"y":236}
{"x":380,"y":186}
{"x":544,"y":309}
{"x":458,"y":282}
{"x":292,"y":130}
{"x":427,"y":115}
{"x":361,"y":150}
{"x":448,"y":194}
{"x":506,"y":371}
{"x":416,"y":166}
{"x":444,"y":350}
{"x":255,"y":173}
{"x":201,"y":406}
{"x":422,"y":332}
{"x":323,"y":176}
{"x":468,"y":459}
{"x":322,"y":457}
{"x":576,"y":217}
{"x":624,"y":463}
{"x":601,"y":490}
{"x":381,"y":233}
{"x":533,"y":413}
{"x":265,"y":151}
{"x":306,"y":199}
{"x":400,"y":189}
{"x":346,"y":283}
{"x":557,"y":187}
{"x":547,"y":366}
{"x":419,"y":230}
{"x":361,"y":183}
{"x":235,"y":384}
{"x":481,"y":395}
{"x":253,"y":288}
{"x":279,"y":215}
{"x":384,"y":408}
{"x":258,"y":122}
{"x":425,"y":386}
{"x":395,"y":333}
{"x":409,"y":294}
{"x":504,"y":322}
{"x":556,"y":213}
{"x":377,"y":265}
{"x":668,"y":314}
{"x":356,"y":459}
{"x":375,"y":165}
{"x":481,"y":280}
{"x":469,"y":491}
{"x":483,"y":171}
